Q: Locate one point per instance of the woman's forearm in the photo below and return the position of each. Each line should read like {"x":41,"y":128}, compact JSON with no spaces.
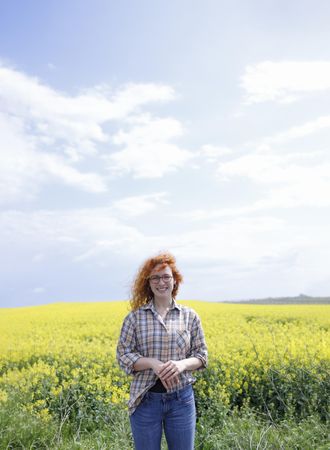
{"x":192,"y":363}
{"x":146,"y":363}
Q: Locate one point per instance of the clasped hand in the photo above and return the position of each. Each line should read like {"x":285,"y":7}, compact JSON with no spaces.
{"x":169,"y":372}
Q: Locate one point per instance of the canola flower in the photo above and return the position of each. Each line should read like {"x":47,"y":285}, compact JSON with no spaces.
{"x":60,"y":358}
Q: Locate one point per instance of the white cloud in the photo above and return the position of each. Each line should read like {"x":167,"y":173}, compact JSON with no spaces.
{"x":76,"y":119}
{"x":210,"y":214}
{"x":291,"y":180}
{"x":77,"y":230}
{"x":284,"y":177}
{"x":294,"y":194}
{"x":241,"y":241}
{"x":131,"y":96}
{"x":140,"y":204}
{"x":300,"y":131}
{"x":147,"y":151}
{"x":226,"y":254}
{"x":89,"y":236}
{"x":258,"y":166}
{"x":24,"y":169}
{"x":284,"y":81}
{"x":212,"y":153}
{"x":18,"y":173}
{"x":57,"y":167}
{"x":45,"y":134}
{"x":96,"y":234}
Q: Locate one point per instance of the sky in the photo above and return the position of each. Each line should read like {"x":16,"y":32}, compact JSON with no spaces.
{"x":130,"y":128}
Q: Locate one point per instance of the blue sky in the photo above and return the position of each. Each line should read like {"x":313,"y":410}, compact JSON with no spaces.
{"x":127,"y":128}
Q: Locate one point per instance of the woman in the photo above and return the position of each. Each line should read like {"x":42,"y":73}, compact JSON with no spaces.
{"x":160,"y":344}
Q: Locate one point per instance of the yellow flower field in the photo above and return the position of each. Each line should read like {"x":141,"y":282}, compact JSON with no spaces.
{"x":61,"y":357}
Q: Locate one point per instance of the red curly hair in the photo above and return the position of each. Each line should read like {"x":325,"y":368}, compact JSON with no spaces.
{"x":141,"y":292}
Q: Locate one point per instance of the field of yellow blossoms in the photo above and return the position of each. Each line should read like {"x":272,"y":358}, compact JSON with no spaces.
{"x":59,"y":359}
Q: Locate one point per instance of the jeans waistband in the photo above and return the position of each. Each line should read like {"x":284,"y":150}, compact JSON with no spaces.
{"x":168,"y":395}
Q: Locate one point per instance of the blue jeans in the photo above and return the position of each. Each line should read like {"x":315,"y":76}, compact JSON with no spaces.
{"x":174,"y":411}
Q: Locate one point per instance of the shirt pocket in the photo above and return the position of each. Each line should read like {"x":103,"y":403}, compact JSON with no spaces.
{"x":182,"y":339}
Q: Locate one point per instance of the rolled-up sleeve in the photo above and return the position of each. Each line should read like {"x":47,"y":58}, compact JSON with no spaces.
{"x":198,"y":344}
{"x":126,"y":348}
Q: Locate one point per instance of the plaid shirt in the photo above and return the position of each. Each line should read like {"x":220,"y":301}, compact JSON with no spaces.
{"x":145,"y":334}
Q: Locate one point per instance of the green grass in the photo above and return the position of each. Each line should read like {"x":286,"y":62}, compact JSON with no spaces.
{"x":217,"y":428}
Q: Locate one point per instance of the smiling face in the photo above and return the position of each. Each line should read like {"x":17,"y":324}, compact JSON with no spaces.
{"x":160,"y":286}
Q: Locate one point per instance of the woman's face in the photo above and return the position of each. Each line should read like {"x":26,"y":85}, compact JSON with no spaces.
{"x":161,"y":282}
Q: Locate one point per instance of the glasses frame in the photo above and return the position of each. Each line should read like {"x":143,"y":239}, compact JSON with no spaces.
{"x":155,"y":279}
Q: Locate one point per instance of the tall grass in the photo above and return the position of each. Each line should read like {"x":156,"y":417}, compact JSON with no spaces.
{"x":218,"y":428}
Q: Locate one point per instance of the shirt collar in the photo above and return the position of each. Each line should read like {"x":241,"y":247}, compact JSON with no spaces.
{"x":150,"y":305}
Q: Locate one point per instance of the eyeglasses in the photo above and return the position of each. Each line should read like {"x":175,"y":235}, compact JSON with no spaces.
{"x":155,"y":279}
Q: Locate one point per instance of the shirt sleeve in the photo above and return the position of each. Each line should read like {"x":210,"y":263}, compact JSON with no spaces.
{"x":198,"y":347}
{"x":126,"y":348}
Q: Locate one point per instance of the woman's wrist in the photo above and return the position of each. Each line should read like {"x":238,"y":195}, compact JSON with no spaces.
{"x":153,"y":363}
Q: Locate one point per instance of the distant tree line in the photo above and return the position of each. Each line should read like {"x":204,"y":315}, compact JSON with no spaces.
{"x":298,"y":300}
